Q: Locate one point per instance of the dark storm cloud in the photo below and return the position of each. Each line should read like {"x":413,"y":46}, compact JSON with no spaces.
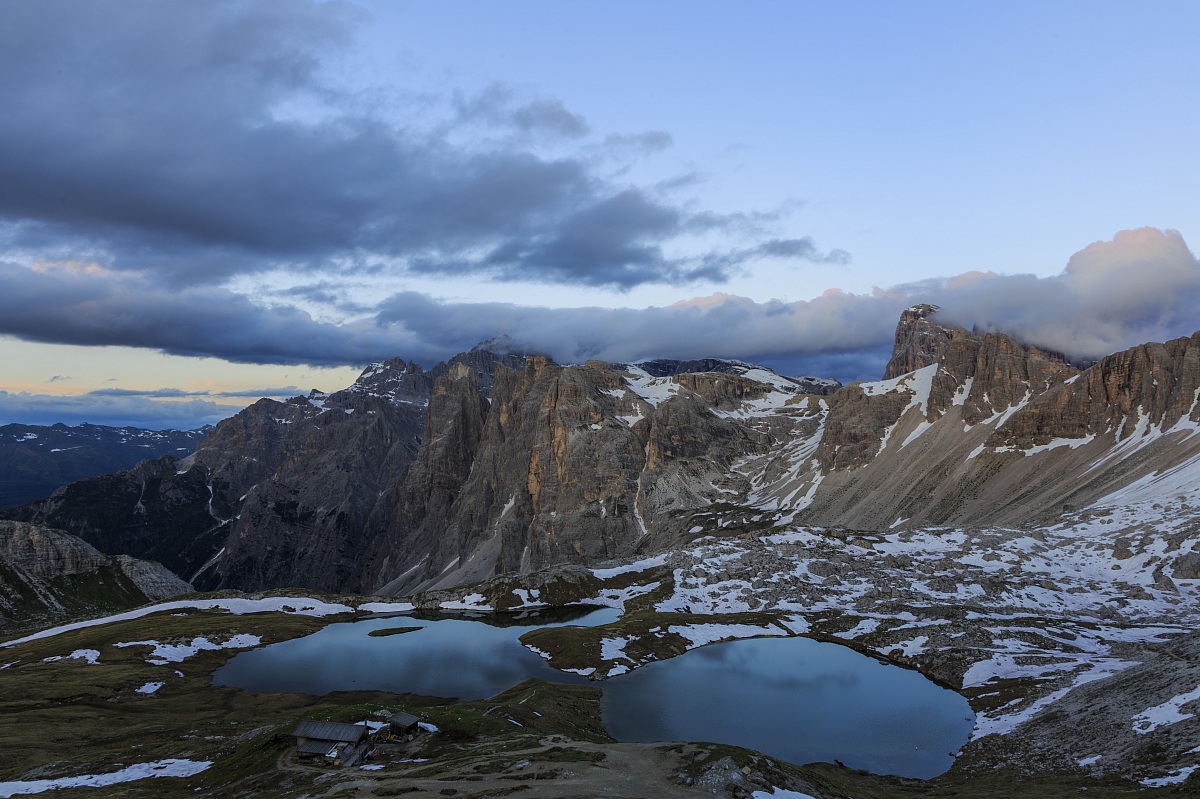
{"x":86,"y":305}
{"x":1142,"y":286}
{"x":200,"y":141}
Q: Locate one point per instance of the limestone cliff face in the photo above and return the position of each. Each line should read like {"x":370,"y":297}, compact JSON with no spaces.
{"x":553,"y":478}
{"x":567,"y":465}
{"x":919,"y":341}
{"x":993,"y":431}
{"x":46,"y":573}
{"x":1149,"y":386}
{"x":412,"y":514}
{"x":984,"y":375}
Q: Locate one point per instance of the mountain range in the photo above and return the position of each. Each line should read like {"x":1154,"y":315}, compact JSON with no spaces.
{"x":36,"y":459}
{"x":496,"y":462}
{"x":1014,"y":524}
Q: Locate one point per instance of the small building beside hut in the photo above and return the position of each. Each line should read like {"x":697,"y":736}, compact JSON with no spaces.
{"x":329,"y":740}
{"x":401,"y":724}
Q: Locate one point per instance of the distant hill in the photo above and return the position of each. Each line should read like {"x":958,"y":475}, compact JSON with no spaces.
{"x":35,"y":459}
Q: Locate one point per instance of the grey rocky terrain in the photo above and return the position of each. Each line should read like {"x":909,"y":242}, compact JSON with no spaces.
{"x":47,"y":574}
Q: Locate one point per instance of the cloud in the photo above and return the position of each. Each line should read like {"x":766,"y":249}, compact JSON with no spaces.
{"x":203,"y":141}
{"x":145,"y":412}
{"x":1142,"y":286}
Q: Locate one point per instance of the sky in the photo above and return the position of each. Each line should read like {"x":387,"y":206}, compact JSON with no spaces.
{"x":203,"y":203}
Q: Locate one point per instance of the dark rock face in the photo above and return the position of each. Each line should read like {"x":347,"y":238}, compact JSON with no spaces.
{"x":411,"y":515}
{"x":152,"y":511}
{"x":919,"y":341}
{"x":300,"y":524}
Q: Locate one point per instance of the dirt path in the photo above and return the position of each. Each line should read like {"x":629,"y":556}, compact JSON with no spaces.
{"x":559,"y":769}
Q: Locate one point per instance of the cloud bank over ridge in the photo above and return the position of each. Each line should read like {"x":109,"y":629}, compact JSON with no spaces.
{"x":1144,"y":285}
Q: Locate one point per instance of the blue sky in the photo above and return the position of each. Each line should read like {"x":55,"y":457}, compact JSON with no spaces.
{"x":203,"y":203}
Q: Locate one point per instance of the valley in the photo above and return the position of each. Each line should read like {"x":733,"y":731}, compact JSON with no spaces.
{"x":1012,"y":525}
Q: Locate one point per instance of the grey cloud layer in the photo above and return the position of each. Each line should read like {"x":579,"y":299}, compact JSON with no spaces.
{"x":198,"y":141}
{"x":1142,"y":286}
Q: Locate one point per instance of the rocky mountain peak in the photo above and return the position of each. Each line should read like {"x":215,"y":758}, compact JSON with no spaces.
{"x":919,"y":341}
{"x":395,"y":380}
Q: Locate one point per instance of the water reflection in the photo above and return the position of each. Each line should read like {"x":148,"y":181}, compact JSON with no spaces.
{"x":448,"y":656}
{"x":794,"y":698}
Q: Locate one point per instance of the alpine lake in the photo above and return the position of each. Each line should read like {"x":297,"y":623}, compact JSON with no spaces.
{"x":793,"y":698}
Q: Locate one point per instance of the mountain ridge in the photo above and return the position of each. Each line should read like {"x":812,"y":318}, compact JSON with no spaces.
{"x":412,"y":479}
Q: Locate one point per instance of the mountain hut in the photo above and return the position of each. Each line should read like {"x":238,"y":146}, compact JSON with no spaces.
{"x":402,"y":724}
{"x":329,"y":740}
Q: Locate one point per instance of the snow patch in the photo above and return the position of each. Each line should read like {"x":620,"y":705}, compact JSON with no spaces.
{"x":1166,"y":714}
{"x":171,"y":767}
{"x":177,"y":653}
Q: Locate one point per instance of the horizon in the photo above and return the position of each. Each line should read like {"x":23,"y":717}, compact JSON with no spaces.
{"x":207,"y":204}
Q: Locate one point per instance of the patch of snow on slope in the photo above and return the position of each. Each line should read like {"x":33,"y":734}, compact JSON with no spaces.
{"x":1166,"y":714}
{"x":177,"y":653}
{"x":636,"y":566}
{"x":654,"y":390}
{"x":701,"y":634}
{"x":474,"y":601}
{"x":864,"y":627}
{"x":1180,"y":481}
{"x":1174,"y":778}
{"x":964,"y":391}
{"x":999,"y":723}
{"x":171,"y":767}
{"x":304,"y":606}
{"x":919,"y":384}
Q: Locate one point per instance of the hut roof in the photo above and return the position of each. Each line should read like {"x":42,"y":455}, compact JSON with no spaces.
{"x":330,"y":731}
{"x":312,"y":747}
{"x":402,"y":719}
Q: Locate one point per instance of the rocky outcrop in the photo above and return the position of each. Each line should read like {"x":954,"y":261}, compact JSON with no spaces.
{"x":984,"y":375}
{"x":994,"y":431}
{"x":569,"y":465}
{"x":47,"y":573}
{"x":152,"y":511}
{"x":1153,"y":386}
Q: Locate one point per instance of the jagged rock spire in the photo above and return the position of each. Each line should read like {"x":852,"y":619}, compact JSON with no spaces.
{"x":919,"y":341}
